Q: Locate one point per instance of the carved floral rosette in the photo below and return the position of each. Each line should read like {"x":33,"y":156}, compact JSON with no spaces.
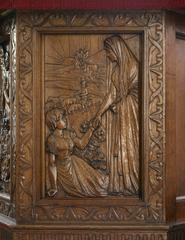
{"x":152,"y":26}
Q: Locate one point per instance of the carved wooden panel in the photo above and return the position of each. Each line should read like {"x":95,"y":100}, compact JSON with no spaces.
{"x":78,"y":235}
{"x":90,"y":117}
{"x":95,"y":132}
{"x":7,"y":115}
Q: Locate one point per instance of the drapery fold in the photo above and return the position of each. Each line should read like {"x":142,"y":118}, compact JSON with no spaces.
{"x":122,"y":125}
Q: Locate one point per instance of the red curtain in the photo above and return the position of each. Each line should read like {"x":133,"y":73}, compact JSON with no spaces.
{"x":91,"y":4}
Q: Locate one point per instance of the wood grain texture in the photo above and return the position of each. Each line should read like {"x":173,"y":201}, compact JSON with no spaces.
{"x":180,"y":61}
{"x":66,"y":62}
{"x":170,"y":116}
{"x":150,"y":207}
{"x":93,"y":125}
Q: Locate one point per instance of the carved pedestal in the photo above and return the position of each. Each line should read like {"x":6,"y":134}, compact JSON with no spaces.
{"x":86,"y":125}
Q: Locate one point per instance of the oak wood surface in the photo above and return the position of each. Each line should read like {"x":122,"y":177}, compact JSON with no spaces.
{"x":180,"y":114}
{"x":170,"y":118}
{"x":70,"y":69}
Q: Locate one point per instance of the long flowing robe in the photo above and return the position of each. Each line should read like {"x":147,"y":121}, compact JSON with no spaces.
{"x":123,"y":126}
{"x":76,"y":176}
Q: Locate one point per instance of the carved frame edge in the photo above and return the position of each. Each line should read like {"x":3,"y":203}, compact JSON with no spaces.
{"x":153,"y":23}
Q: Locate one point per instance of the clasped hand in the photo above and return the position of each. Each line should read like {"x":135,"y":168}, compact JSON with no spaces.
{"x":113,"y":108}
{"x":96,"y":122}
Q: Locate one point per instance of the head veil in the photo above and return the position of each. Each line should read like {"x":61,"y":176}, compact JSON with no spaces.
{"x":126,"y":67}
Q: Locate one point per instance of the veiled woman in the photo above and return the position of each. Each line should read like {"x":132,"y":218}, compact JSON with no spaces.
{"x":123,"y":126}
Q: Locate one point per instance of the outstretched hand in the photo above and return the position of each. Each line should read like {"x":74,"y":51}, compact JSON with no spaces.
{"x":96,"y":122}
{"x":113,"y":108}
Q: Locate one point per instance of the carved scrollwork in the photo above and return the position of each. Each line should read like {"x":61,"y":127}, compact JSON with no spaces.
{"x":156,"y":117}
{"x":91,"y":214}
{"x":8,"y":115}
{"x":25,"y":113}
{"x":152,"y":22}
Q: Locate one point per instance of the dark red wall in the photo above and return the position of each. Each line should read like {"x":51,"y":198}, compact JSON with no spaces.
{"x":92,"y":4}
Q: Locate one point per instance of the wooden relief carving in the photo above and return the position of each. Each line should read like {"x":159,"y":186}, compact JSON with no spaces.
{"x":82,"y":165}
{"x":7,"y":114}
{"x":5,"y":119}
{"x":95,"y":114}
{"x":90,"y":235}
{"x":13,"y":64}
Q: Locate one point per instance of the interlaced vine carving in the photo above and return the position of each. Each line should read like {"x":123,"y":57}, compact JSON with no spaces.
{"x":152,"y":23}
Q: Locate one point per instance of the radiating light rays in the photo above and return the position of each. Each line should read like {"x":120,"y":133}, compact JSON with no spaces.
{"x":62,"y":68}
{"x":59,"y":56}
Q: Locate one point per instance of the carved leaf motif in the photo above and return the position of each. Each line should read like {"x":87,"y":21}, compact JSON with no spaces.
{"x":100,"y":20}
{"x":155,"y":106}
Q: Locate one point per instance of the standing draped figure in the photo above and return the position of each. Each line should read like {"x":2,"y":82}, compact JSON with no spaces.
{"x":120,"y":107}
